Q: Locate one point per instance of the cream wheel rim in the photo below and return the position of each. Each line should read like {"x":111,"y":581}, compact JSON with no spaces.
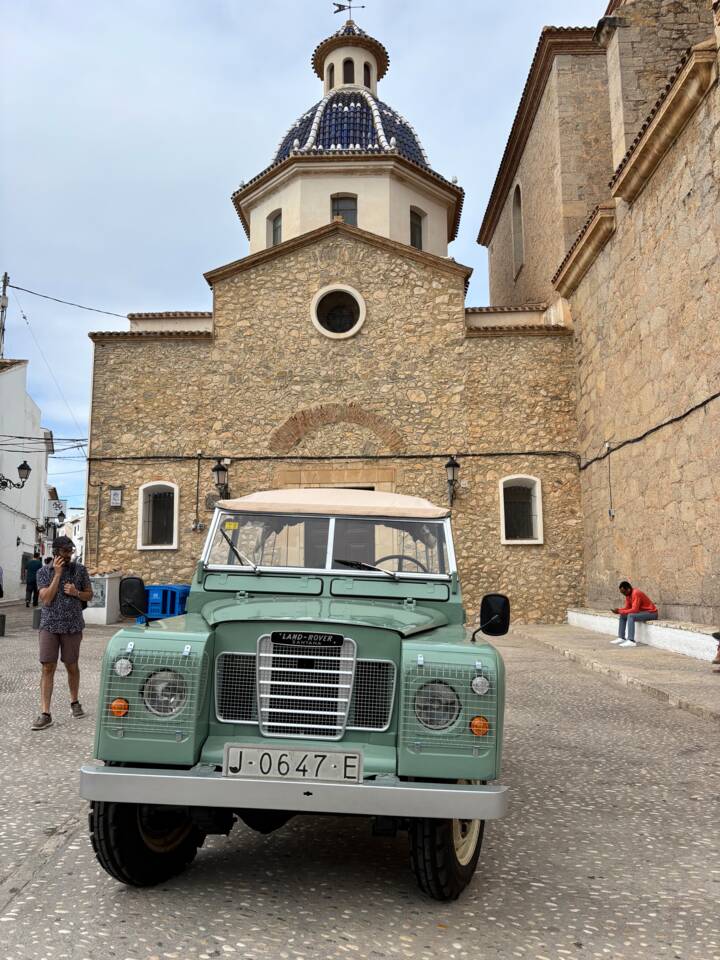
{"x":466,"y":834}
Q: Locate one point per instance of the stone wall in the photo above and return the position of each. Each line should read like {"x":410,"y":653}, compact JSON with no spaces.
{"x":410,"y":382}
{"x":648,"y":349}
{"x":645,"y":41}
{"x":563,"y":174}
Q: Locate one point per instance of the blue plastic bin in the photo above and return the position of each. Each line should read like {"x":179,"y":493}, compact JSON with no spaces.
{"x":165,"y":600}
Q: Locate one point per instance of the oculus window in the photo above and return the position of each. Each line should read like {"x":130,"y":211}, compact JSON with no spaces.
{"x":521,"y":510}
{"x":337,"y":311}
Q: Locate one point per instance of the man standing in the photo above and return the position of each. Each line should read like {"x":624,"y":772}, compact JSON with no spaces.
{"x":31,"y":587}
{"x":638,"y":606}
{"x":64,"y":587}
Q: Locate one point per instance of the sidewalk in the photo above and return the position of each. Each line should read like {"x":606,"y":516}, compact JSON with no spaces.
{"x":682,"y":682}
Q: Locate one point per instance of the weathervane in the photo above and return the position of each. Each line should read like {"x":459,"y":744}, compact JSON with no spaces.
{"x":340,"y":7}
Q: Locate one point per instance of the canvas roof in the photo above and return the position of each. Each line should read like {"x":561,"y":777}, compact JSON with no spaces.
{"x":337,"y":501}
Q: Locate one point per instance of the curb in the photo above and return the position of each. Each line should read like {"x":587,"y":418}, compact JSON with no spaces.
{"x":626,"y":679}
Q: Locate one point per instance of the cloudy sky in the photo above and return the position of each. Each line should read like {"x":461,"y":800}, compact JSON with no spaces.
{"x":127,"y":124}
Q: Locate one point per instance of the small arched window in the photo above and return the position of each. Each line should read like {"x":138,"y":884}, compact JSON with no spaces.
{"x":274,"y":228}
{"x":157,"y":516}
{"x":517,"y":231}
{"x":331,"y":76}
{"x":367,"y":75}
{"x":416,"y":229}
{"x":521,"y":510}
{"x":348,"y":71}
{"x":345,"y":206}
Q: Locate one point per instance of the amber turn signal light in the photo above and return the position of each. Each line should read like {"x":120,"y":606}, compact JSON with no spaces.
{"x":119,"y":707}
{"x":480,"y":726}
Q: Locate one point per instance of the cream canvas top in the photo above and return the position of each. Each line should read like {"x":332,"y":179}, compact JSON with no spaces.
{"x":337,"y":501}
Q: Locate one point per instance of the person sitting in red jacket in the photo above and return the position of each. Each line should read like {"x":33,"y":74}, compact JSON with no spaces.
{"x":638,"y":606}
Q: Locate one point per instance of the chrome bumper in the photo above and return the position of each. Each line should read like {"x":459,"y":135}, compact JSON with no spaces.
{"x":203,"y":786}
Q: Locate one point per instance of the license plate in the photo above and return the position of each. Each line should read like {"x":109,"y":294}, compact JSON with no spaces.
{"x":276,"y":764}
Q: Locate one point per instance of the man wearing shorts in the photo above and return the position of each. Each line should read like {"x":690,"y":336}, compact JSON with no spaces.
{"x":63,"y":587}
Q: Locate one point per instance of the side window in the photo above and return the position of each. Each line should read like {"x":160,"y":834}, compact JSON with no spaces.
{"x":331,"y":76}
{"x":345,"y":206}
{"x":367,"y":75}
{"x":348,"y":71}
{"x":416,"y":229}
{"x":157,"y":516}
{"x":521,"y":518}
{"x":274,"y":228}
{"x":518,"y":237}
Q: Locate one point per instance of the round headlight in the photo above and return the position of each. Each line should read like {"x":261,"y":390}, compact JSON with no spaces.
{"x":480,"y":685}
{"x":165,"y":693}
{"x":123,"y":667}
{"x":437,"y":706}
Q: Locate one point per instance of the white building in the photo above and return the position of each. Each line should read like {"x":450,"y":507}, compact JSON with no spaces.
{"x":75,"y":529}
{"x":22,"y":440}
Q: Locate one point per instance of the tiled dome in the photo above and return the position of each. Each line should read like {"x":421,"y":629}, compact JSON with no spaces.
{"x":351,"y":121}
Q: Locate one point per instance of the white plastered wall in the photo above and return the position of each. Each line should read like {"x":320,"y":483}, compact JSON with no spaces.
{"x":360,"y":57}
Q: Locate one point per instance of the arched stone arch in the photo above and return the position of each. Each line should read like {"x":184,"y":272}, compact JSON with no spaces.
{"x":295,"y":428}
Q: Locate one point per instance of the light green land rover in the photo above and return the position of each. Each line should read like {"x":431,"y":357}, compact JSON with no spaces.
{"x":322,"y":667}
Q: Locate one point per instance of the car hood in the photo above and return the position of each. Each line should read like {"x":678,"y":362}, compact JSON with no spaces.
{"x":404,"y":619}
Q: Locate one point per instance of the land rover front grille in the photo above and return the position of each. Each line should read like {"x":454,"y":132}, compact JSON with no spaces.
{"x":371,"y":701}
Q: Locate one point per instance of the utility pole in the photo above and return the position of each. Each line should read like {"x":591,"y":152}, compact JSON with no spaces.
{"x":3,"y":311}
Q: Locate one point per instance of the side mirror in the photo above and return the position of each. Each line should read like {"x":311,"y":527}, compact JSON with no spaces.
{"x":133,"y":599}
{"x":494,"y":615}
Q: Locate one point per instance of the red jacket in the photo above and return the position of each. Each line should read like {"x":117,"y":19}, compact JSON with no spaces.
{"x":638,"y":602}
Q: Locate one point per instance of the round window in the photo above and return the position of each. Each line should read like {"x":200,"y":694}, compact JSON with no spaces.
{"x":338,"y":311}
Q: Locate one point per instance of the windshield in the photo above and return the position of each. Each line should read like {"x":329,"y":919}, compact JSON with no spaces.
{"x":286,"y":541}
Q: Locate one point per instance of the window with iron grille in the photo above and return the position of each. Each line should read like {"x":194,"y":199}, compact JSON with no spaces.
{"x":157,"y":519}
{"x":345,"y":206}
{"x":521,"y":510}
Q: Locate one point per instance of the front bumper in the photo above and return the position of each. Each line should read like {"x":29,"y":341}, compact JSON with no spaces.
{"x":203,"y":786}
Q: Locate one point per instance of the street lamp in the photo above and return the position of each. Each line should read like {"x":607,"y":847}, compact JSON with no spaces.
{"x":452,"y":469}
{"x":24,"y":472}
{"x":60,"y":518}
{"x":220,"y":472}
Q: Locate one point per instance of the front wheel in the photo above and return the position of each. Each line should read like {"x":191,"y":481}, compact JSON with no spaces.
{"x":143,"y":845}
{"x":444,"y":854}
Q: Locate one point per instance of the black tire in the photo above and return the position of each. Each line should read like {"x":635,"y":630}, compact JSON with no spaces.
{"x":140,"y":845}
{"x":434,"y":844}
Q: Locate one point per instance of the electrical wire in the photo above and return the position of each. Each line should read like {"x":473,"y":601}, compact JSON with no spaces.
{"x":68,"y":303}
{"x":32,"y":334}
{"x":658,"y":426}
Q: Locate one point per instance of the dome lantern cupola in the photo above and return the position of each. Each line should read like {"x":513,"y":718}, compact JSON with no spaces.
{"x":350,"y":58}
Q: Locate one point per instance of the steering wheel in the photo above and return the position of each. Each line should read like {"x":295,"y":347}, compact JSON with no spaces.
{"x":400,"y":556}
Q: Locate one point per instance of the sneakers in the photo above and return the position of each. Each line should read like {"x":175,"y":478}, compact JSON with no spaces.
{"x":42,"y":722}
{"x":628,"y":643}
{"x":77,"y":710}
{"x":618,"y":640}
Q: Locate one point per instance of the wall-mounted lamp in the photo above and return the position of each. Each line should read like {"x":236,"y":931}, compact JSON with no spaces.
{"x":452,"y":469}
{"x":220,"y":473}
{"x":24,"y":471}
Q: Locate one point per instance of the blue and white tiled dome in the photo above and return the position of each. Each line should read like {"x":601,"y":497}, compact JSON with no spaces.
{"x":352,"y":121}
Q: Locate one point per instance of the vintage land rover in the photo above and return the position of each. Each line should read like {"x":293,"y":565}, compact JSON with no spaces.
{"x":322,"y":667}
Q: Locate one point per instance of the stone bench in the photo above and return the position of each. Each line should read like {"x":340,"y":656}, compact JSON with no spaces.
{"x":692,"y":639}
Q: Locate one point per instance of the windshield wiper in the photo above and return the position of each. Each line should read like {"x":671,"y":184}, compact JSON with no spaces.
{"x":359,"y":565}
{"x":246,"y":561}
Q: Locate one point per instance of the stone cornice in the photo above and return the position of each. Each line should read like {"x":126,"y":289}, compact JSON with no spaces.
{"x":171,"y":315}
{"x":554,"y":42}
{"x":517,"y":330}
{"x":540,"y":320}
{"x":680,"y":100}
{"x":336,"y":227}
{"x":317,"y":162}
{"x":589,"y":242}
{"x":113,"y":336}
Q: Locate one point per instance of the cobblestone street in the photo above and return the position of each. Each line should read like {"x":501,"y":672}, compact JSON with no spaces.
{"x":610,"y":849}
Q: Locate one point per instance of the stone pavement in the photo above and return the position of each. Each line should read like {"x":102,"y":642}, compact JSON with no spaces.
{"x":679,"y":681}
{"x":609,"y":850}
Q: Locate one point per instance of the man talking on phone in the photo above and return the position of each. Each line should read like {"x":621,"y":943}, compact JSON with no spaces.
{"x":63,"y":588}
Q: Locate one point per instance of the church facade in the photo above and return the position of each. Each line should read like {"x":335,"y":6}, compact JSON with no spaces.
{"x":341,"y":351}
